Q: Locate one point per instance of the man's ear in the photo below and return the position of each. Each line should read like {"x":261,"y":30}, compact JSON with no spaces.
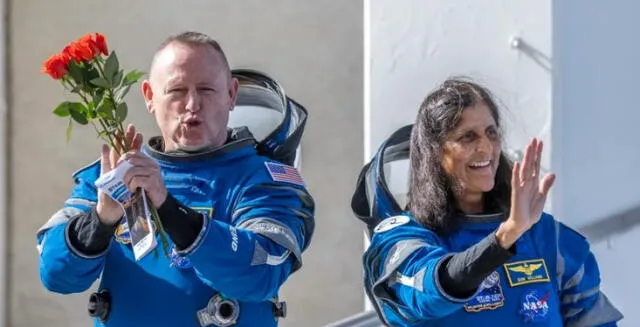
{"x":233,"y":92}
{"x":147,"y":93}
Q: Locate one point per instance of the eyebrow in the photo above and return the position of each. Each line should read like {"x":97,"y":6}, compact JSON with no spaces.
{"x":461,"y":131}
{"x":176,"y":82}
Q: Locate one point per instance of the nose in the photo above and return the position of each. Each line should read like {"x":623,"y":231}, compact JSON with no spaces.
{"x":193,"y":101}
{"x":484,"y":145}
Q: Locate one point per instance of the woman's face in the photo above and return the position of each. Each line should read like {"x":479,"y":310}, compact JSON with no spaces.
{"x":472,"y":151}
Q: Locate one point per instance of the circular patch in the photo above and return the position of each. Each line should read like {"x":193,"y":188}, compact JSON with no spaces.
{"x":179,"y":261}
{"x":534,"y":305}
{"x":122,"y":232}
{"x":489,"y":295}
{"x":391,"y":223}
{"x":492,"y":280}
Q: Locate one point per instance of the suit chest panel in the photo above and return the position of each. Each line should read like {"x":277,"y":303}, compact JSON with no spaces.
{"x":520,"y":291}
{"x":204,"y":192}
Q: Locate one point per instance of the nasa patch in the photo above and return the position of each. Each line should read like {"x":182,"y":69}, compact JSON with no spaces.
{"x":534,"y":305}
{"x":391,"y":223}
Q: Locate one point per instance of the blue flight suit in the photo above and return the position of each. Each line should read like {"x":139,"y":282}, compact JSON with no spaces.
{"x":553,"y":280}
{"x":259,"y":221}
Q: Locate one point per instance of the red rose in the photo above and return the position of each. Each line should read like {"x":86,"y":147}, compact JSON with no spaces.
{"x":101,"y":43}
{"x":79,"y":51}
{"x":56,"y":65}
{"x":67,"y":52}
{"x":86,"y":42}
{"x":95,"y":42}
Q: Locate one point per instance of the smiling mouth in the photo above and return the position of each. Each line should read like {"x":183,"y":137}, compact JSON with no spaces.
{"x":480,"y":164}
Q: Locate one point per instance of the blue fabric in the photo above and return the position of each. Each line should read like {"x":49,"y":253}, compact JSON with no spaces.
{"x":235,"y":190}
{"x":553,"y":280}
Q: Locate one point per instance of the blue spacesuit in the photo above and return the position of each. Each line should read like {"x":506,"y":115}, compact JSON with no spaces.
{"x":552,"y":280}
{"x":258,"y":220}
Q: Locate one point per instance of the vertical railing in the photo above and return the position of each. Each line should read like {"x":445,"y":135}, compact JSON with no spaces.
{"x":4,"y":139}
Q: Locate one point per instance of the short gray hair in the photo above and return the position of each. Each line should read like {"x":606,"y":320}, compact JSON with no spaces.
{"x":195,"y":38}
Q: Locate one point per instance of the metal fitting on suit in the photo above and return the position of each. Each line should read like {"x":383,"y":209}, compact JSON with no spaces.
{"x":100,"y":305}
{"x":279,"y":308}
{"x":220,"y":312}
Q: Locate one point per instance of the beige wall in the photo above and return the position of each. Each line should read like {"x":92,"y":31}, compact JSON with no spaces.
{"x":313,"y":47}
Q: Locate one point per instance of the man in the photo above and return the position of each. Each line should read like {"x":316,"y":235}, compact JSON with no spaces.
{"x":238,"y":222}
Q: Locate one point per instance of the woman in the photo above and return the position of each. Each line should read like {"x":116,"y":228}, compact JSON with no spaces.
{"x":474,"y":247}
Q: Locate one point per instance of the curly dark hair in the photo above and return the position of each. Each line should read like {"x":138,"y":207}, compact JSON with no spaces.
{"x":431,"y":191}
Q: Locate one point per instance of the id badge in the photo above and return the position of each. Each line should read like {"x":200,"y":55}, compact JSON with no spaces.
{"x":136,"y":209}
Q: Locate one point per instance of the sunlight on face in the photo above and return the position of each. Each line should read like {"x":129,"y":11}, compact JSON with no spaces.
{"x":472,"y":150}
{"x":190,"y":95}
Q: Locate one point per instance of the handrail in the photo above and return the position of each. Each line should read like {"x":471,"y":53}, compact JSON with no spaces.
{"x":362,"y":319}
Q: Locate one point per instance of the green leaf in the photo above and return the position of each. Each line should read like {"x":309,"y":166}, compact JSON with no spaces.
{"x":78,"y":113}
{"x":132,"y":77}
{"x":90,"y":72}
{"x":62,"y":110}
{"x":105,"y":109}
{"x":90,"y":110}
{"x":121,"y":112}
{"x":118,"y":78}
{"x":79,"y":118}
{"x":77,"y":106}
{"x":97,"y":96}
{"x":101,"y":82}
{"x":75,"y":71}
{"x":92,"y":114}
{"x":69,"y":129}
{"x":111,"y":66}
{"x":87,"y":90}
{"x":122,"y":92}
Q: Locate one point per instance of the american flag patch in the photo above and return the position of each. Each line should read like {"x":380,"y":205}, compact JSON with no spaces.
{"x":284,"y":173}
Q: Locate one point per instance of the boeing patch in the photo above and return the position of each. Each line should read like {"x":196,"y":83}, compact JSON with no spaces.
{"x":526,"y":272}
{"x":391,"y":223}
{"x":179,"y":261}
{"x":490,"y":296}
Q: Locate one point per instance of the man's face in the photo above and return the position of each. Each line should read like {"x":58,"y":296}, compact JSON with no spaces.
{"x":190,"y":93}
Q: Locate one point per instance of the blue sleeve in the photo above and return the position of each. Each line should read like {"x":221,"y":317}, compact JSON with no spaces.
{"x":271,"y":225}
{"x":401,"y":274}
{"x":582,"y":301}
{"x":62,"y":268}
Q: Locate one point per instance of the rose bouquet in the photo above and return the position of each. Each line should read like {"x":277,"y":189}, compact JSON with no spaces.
{"x":86,"y":68}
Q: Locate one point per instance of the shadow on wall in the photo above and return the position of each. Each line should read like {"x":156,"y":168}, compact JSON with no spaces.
{"x":615,"y":224}
{"x":534,"y":54}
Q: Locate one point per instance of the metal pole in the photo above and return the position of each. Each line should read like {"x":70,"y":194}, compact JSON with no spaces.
{"x":4,"y":225}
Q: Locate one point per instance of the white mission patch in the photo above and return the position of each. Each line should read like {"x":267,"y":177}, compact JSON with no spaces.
{"x":390,"y":223}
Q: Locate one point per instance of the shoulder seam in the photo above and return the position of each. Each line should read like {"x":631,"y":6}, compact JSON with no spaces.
{"x":93,"y":163}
